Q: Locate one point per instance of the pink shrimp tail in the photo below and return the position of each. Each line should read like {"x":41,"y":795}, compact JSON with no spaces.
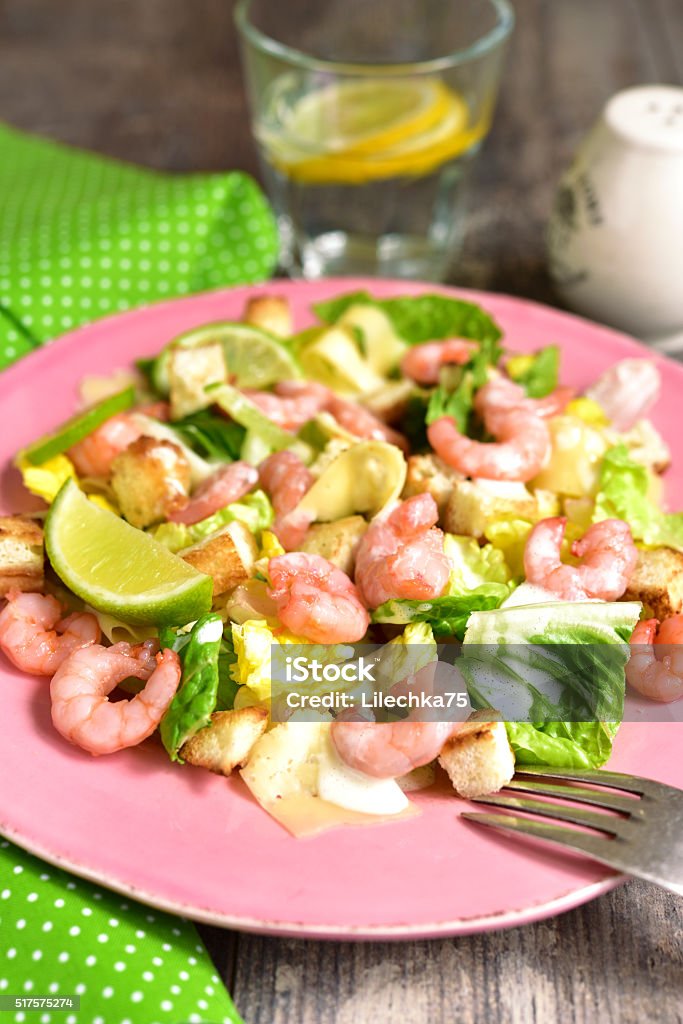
{"x":222,"y":488}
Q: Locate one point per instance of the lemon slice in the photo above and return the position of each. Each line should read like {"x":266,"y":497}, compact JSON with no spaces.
{"x":118,"y":569}
{"x":353,"y":132}
{"x":254,"y":358}
{"x":364,"y":116}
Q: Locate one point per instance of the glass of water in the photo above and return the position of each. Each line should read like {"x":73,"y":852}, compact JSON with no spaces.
{"x":368,"y":115}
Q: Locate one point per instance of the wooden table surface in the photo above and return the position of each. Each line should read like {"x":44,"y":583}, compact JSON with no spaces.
{"x":158,"y":82}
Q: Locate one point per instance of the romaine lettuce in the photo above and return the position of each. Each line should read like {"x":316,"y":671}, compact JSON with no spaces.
{"x":421,"y":318}
{"x":479,"y":580}
{"x":536,"y":373}
{"x":472,"y":565}
{"x":556,"y":673}
{"x":211,"y":436}
{"x":195,"y":698}
{"x":623,"y":494}
{"x":446,"y":615}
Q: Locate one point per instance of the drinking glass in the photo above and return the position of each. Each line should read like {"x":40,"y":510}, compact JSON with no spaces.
{"x":368,"y":116}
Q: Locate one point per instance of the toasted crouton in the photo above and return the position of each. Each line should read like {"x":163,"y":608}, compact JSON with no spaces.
{"x":21,"y":554}
{"x":478,"y":758}
{"x":190,"y":370}
{"x":227,"y":555}
{"x":430,"y":474}
{"x":337,"y":541}
{"x":227,"y":742}
{"x":657,"y":581}
{"x":271,"y":313}
{"x":473,"y":503}
{"x":151,"y":479}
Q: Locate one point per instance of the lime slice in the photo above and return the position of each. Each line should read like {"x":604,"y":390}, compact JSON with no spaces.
{"x":254,"y":358}
{"x":244,"y":412}
{"x":78,"y":427}
{"x":118,"y":569}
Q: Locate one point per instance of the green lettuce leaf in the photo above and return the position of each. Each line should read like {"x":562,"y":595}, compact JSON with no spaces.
{"x":211,"y":436}
{"x":457,"y":400}
{"x":472,"y":565}
{"x":196,"y":696}
{"x":562,"y":744}
{"x":558,"y":670}
{"x":448,"y":615}
{"x":623,"y":494}
{"x":423,"y":318}
{"x":227,"y":687}
{"x":539,"y":372}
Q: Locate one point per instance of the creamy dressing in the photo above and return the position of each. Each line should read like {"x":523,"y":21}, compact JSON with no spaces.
{"x":338,"y":784}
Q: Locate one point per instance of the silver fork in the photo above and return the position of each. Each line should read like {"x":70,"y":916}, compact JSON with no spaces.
{"x":641,"y":835}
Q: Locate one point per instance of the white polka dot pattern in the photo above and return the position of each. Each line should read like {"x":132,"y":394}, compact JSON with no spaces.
{"x":45,"y":952}
{"x":81,"y":237}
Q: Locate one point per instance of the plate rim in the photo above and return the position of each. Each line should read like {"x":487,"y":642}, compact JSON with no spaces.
{"x":529,"y":913}
{"x":460,"y":926}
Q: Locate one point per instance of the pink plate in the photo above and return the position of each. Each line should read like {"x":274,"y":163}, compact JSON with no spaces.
{"x":187,"y":841}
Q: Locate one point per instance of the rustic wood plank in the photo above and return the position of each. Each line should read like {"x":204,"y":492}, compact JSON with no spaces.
{"x":617,"y":960}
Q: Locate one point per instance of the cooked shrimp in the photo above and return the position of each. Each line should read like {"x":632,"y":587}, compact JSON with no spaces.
{"x":286,"y":479}
{"x":387,"y":750}
{"x":401,"y":554}
{"x":626,"y":391}
{"x":520,"y":453}
{"x":500,"y":395}
{"x":94,"y":455}
{"x":36,"y":638}
{"x":659,"y":678}
{"x":296,"y":402}
{"x":82,"y":711}
{"x":316,"y":600}
{"x":609,"y":558}
{"x":362,"y":423}
{"x":523,"y":439}
{"x":670,"y":630}
{"x":422,"y":363}
{"x":293,"y":404}
{"x":227,"y":484}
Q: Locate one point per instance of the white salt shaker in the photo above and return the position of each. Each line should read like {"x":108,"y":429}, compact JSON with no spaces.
{"x":615,"y":238}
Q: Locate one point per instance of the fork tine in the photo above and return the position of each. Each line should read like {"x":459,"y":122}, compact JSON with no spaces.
{"x":546,"y":809}
{"x":617,"y":780}
{"x":596,"y":797}
{"x":595,"y":846}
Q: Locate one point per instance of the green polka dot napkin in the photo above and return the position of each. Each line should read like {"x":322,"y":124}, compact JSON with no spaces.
{"x":110,"y":959}
{"x":82,"y":236}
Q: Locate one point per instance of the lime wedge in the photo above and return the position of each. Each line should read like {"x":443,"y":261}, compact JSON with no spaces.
{"x":119,"y":569}
{"x":78,"y":427}
{"x":254,"y":358}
